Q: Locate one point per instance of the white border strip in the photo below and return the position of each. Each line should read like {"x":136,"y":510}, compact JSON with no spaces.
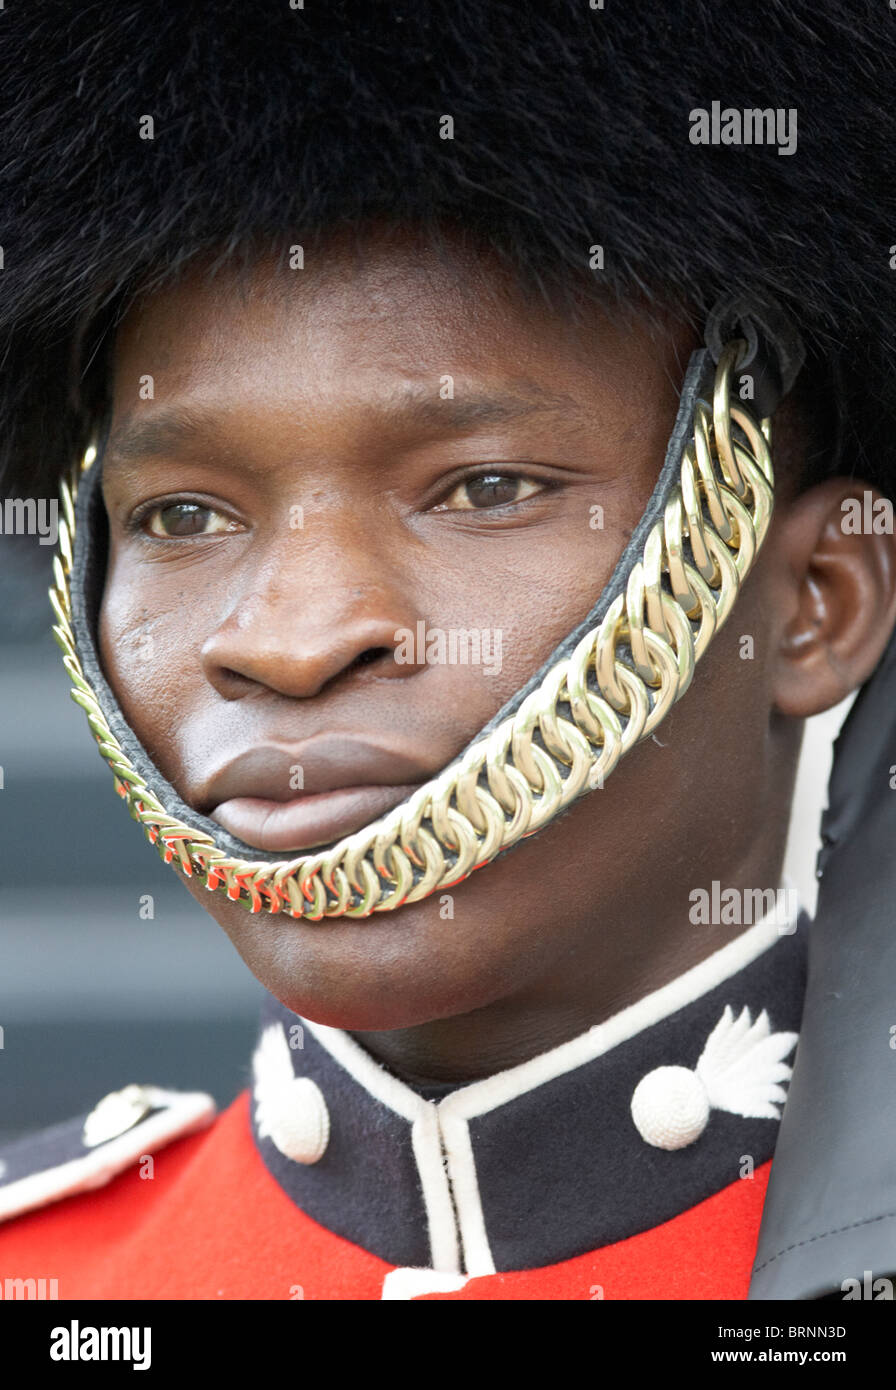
{"x":482,"y":1096}
{"x":445,"y":1123}
{"x":378,"y":1082}
{"x":465,"y":1189}
{"x":186,"y":1111}
{"x":444,"y":1250}
{"x":425,"y":1137}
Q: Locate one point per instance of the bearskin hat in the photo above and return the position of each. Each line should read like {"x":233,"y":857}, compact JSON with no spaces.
{"x":570,"y":126}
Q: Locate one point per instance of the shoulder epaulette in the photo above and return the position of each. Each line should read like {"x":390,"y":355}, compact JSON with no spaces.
{"x":90,"y":1151}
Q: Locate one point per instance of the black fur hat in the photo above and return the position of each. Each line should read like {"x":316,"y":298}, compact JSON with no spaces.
{"x":573,"y":127}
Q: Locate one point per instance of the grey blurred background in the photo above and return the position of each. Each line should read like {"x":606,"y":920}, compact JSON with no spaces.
{"x":91,"y":995}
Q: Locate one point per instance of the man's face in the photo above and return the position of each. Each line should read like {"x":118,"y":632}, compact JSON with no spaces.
{"x":334,"y":476}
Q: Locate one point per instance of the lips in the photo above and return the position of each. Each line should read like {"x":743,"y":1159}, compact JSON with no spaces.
{"x":281,"y":799}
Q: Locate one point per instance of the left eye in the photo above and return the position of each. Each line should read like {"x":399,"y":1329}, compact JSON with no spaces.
{"x":179,"y":519}
{"x":489,"y":490}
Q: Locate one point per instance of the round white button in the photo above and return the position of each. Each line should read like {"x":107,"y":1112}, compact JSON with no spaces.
{"x":297,"y":1119}
{"x":670,"y":1107}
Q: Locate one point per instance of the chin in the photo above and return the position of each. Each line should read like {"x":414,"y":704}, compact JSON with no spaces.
{"x":388,"y":971}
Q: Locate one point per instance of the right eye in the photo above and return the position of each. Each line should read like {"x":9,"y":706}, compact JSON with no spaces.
{"x":183,"y":520}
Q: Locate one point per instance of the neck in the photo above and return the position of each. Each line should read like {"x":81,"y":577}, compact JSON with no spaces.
{"x":627,"y":953}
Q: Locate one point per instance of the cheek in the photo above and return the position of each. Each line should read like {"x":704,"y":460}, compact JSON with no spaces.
{"x":534,"y":587}
{"x":527,"y":605}
{"x":150,"y":643}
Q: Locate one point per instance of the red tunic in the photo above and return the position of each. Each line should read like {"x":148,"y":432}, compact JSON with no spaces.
{"x":213,"y":1223}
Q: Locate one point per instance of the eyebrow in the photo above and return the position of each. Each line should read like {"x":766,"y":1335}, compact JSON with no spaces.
{"x":413,"y":405}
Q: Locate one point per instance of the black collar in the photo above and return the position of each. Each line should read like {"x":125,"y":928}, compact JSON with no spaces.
{"x":544,"y":1161}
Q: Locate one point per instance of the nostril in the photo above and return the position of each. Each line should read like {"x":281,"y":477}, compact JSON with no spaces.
{"x":366,"y":658}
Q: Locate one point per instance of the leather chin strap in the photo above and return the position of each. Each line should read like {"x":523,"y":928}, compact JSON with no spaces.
{"x":774,"y":358}
{"x":88,"y":577}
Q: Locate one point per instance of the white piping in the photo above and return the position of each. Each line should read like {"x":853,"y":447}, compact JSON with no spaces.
{"x":185,"y":1112}
{"x":482,"y":1096}
{"x":443,"y":1243}
{"x":465,"y":1189}
{"x":445,"y":1124}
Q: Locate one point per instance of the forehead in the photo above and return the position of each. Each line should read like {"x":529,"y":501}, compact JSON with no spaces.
{"x":386,"y":306}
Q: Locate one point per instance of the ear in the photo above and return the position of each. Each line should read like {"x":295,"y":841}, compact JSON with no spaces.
{"x":840,"y":594}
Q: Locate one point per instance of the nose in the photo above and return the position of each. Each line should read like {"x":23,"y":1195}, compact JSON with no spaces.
{"x":312,"y":610}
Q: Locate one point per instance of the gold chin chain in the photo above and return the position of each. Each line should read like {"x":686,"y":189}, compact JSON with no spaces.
{"x":567,"y":735}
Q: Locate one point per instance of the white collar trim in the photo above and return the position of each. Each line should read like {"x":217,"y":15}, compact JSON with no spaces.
{"x":479,"y":1097}
{"x":440,"y":1132}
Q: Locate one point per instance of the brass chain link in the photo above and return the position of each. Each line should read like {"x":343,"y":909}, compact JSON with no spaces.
{"x":567,"y":735}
